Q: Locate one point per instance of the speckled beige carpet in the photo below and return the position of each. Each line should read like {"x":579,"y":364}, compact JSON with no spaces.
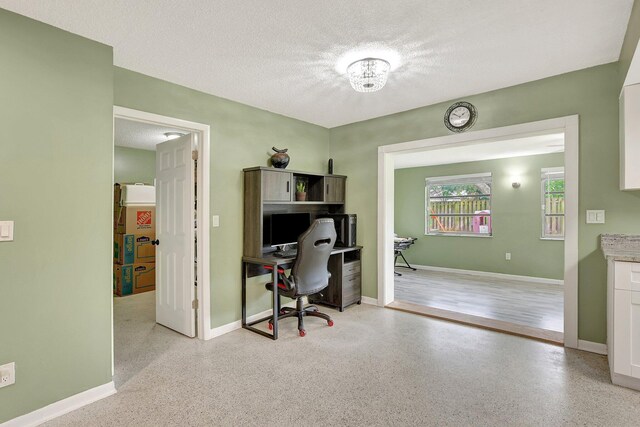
{"x":374,"y":367}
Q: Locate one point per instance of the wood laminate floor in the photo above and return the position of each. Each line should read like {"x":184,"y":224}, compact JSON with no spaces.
{"x":521,"y":302}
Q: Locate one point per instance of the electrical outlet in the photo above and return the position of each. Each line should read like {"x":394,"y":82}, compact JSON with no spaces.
{"x":7,"y":374}
{"x":507,"y":256}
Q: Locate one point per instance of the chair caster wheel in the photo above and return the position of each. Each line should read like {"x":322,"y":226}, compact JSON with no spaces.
{"x":270,"y":326}
{"x":330,"y":322}
{"x":302,"y":332}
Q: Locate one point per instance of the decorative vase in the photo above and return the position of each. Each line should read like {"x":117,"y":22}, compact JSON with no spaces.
{"x":280,"y":159}
{"x":301,"y":197}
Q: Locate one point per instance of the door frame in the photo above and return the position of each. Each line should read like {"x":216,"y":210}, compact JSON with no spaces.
{"x":569,"y":125}
{"x":203,"y":135}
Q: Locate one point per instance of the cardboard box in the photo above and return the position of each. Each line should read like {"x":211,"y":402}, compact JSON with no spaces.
{"x":133,"y":248}
{"x":135,"y":219}
{"x":134,"y":278}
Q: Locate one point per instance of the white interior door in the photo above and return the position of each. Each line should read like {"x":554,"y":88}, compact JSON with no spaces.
{"x":175,"y":281}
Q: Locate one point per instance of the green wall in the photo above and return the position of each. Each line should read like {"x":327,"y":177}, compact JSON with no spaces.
{"x":55,"y":183}
{"x":241,"y":136}
{"x":591,"y":93}
{"x":515,"y":217}
{"x":131,"y":165}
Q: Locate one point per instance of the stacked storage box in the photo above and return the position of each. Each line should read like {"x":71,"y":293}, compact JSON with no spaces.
{"x":134,"y":224}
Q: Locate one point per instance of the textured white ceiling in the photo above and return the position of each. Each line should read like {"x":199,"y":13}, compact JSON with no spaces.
{"x":144,"y":136}
{"x":501,"y":149}
{"x":289,"y":57}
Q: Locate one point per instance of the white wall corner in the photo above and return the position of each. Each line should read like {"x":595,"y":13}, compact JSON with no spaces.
{"x":62,"y":407}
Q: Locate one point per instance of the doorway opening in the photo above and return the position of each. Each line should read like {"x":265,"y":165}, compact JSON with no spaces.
{"x":489,"y":210}
{"x":161,"y":234}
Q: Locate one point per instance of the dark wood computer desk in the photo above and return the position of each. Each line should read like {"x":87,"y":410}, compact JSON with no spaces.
{"x":335,"y":269}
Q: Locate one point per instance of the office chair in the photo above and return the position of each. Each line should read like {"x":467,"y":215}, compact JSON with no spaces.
{"x":309,"y":273}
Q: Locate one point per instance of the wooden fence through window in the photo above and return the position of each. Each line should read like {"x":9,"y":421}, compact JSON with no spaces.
{"x":554,"y":215}
{"x":456,"y":216}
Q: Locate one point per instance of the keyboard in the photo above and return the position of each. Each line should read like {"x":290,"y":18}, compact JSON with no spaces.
{"x":289,"y":253}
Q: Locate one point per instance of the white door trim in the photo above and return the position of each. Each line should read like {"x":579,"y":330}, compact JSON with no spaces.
{"x":386,"y":166}
{"x":203,"y":135}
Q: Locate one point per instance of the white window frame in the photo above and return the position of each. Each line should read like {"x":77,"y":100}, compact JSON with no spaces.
{"x":457,"y":179}
{"x":545,"y":173}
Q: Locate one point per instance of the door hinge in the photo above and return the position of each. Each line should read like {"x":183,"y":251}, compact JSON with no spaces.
{"x":194,"y":154}
{"x":194,"y":304}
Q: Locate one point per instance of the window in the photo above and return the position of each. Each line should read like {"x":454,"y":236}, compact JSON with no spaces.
{"x":458,"y":205}
{"x":552,"y":180}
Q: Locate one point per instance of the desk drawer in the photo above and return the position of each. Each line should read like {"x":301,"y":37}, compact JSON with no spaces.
{"x":351,"y":289}
{"x":351,"y":268}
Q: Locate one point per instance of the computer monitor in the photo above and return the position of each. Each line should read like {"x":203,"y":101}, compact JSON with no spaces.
{"x":285,"y":228}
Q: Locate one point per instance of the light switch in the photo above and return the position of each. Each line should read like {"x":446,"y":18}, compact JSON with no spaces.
{"x":216,"y":221}
{"x":6,"y":231}
{"x":595,"y":217}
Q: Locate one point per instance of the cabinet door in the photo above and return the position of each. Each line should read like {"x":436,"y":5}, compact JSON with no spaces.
{"x":629,"y":135}
{"x":627,"y":333}
{"x":334,"y":189}
{"x":276,"y":186}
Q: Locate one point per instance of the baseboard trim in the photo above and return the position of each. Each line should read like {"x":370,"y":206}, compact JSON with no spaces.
{"x":230,"y":327}
{"x":369,"y":300}
{"x":592,"y":347}
{"x":491,"y":274}
{"x":62,"y":407}
{"x":625,"y":381}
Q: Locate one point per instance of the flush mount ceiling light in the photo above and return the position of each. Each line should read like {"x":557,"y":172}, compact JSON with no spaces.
{"x":173,"y":135}
{"x":368,"y":75}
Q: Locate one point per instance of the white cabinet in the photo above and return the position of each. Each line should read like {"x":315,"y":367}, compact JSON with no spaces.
{"x":630,"y":138}
{"x":624,"y":323}
{"x":627,"y":334}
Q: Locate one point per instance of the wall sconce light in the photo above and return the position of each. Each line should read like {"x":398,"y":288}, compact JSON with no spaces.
{"x":173,"y":135}
{"x":515,"y":184}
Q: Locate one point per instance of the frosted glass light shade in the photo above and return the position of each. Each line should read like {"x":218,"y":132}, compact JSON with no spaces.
{"x":368,"y":75}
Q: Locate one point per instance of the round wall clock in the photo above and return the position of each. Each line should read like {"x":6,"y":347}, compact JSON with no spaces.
{"x":460,"y":116}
